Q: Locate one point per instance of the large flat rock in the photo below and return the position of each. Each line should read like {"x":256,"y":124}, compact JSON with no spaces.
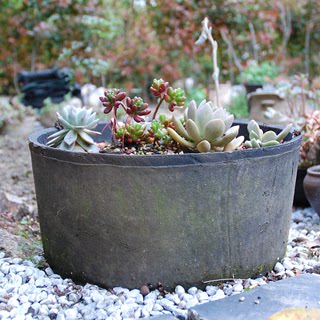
{"x":301,"y":291}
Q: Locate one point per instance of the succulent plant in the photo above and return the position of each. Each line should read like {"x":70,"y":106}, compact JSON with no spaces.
{"x":112,"y":99}
{"x":136,"y":108}
{"x":131,"y":133}
{"x":310,"y":147}
{"x":258,"y":138}
{"x":158,"y":130}
{"x":207,"y":128}
{"x":159,"y":87}
{"x":77,"y":126}
{"x":175,"y":98}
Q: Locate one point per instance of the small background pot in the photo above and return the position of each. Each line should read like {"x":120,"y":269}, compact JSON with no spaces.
{"x":311,"y":185}
{"x":300,"y":199}
{"x":118,"y":220}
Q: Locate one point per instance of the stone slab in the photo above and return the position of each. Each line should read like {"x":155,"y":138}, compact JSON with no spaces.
{"x":301,"y":291}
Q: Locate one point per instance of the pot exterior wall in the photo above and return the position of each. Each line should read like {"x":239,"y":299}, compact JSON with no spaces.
{"x":178,"y":224}
{"x":311,"y":184}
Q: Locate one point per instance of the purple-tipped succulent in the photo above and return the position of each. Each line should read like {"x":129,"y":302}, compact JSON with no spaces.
{"x":112,"y":99}
{"x":137,"y":108}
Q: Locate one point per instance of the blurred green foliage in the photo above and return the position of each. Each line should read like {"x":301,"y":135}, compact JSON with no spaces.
{"x":259,"y":73}
{"x":129,"y":42}
{"x":238,"y":105}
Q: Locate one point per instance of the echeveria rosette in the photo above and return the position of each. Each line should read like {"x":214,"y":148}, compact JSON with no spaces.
{"x":137,"y":108}
{"x":159,"y":88}
{"x":207,"y":128}
{"x":75,"y":135}
{"x":175,"y":98}
{"x":112,"y":99}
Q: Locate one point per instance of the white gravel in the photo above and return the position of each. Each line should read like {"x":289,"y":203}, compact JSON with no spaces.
{"x":27,"y":292}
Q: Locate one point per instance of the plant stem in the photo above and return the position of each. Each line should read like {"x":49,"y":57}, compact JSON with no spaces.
{"x":219,"y":280}
{"x":157,"y":108}
{"x":215,"y":74}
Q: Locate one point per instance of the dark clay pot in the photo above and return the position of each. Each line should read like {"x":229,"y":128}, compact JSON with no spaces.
{"x":117,"y":220}
{"x":311,"y":186}
{"x":300,"y":199}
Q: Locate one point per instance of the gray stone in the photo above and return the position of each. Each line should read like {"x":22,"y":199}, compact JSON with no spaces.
{"x":192,"y":302}
{"x":300,"y":291}
{"x":71,"y":314}
{"x":279,"y":267}
{"x":179,"y":290}
{"x":211,"y":290}
{"x":192,"y":290}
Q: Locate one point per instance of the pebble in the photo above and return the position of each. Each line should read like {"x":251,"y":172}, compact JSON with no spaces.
{"x":279,"y":267}
{"x":42,"y":294}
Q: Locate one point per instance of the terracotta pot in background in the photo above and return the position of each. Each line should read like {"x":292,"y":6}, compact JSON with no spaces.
{"x":311,"y":186}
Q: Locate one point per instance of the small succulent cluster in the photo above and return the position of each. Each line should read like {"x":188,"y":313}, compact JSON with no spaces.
{"x":310,"y":147}
{"x":75,"y":135}
{"x":161,"y":90}
{"x":207,"y":128}
{"x":151,"y":133}
{"x":258,"y":138}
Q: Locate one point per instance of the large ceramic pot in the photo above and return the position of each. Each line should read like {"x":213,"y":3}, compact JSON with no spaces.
{"x":311,"y":186}
{"x":118,"y":220}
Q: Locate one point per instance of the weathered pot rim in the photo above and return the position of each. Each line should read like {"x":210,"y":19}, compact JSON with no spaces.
{"x":314,"y":171}
{"x":37,"y":146}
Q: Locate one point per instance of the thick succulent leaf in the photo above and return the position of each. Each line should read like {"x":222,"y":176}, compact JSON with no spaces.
{"x":253,"y":126}
{"x":80,"y":116}
{"x":180,"y":128}
{"x":214,"y":129}
{"x":248,"y":144}
{"x":284,"y":132}
{"x":255,"y":143}
{"x":65,"y":124}
{"x":64,"y":112}
{"x":56,"y":134}
{"x":202,"y":103}
{"x":175,"y":136}
{"x":92,"y":118}
{"x":66,"y":147}
{"x":253,"y":135}
{"x":90,"y":148}
{"x":228,"y":137}
{"x":192,"y":111}
{"x":212,"y":105}
{"x":70,"y":137}
{"x":234,"y":144}
{"x":204,"y":146}
{"x":270,"y":143}
{"x":77,"y":148}
{"x":193,"y":130}
{"x":269,"y":136}
{"x":204,"y":115}
{"x":220,"y":113}
{"x":92,"y":124}
{"x":72,"y":119}
{"x":228,"y":121}
{"x":85,"y":137}
{"x":55,"y":141}
{"x":91,"y":132}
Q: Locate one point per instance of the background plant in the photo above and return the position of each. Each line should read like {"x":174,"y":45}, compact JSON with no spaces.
{"x":124,"y":43}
